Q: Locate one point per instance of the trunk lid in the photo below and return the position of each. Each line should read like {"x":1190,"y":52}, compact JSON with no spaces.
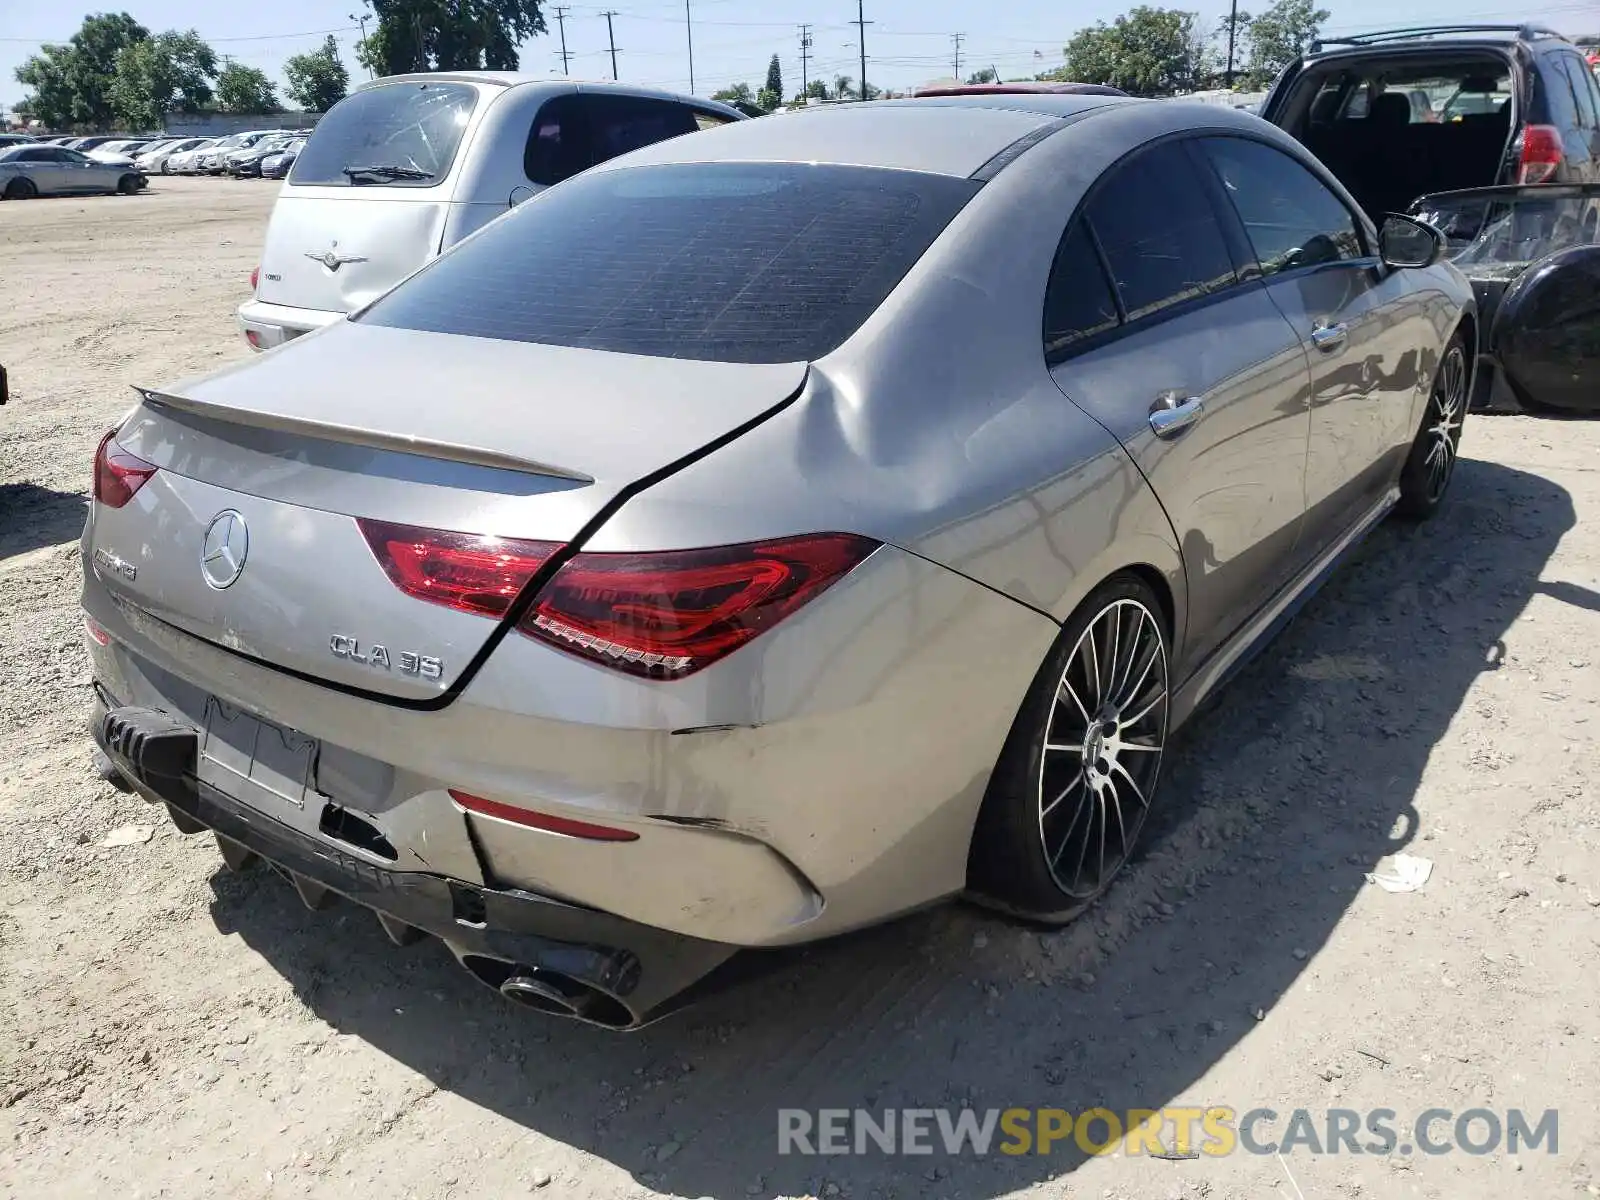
{"x":337,"y":253}
{"x":506,"y":439}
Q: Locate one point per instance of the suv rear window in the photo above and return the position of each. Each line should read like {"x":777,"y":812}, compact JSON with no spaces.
{"x":734,"y":262}
{"x":409,"y":132}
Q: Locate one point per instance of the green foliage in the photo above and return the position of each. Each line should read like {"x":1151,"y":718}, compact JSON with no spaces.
{"x":771,"y":95}
{"x":1281,"y":35}
{"x":170,"y":72}
{"x":844,"y":87}
{"x":318,"y":80}
{"x":71,"y":84}
{"x":243,"y":89}
{"x":738,"y":92}
{"x":1147,"y":52}
{"x":987,"y":75}
{"x":449,"y":35}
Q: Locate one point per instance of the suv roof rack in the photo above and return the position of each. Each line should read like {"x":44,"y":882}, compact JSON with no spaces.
{"x":1528,"y":30}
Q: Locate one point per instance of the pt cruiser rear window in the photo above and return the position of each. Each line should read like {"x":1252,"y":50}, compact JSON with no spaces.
{"x":397,"y":135}
{"x":733,"y":262}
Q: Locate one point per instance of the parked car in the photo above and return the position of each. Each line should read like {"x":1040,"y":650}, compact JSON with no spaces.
{"x":1532,"y":256}
{"x":764,"y":533}
{"x":1018,"y":88}
{"x":187,"y":162}
{"x":276,"y":165}
{"x":1510,"y":104}
{"x":246,"y":163}
{"x":85,"y":144}
{"x":214,"y":161}
{"x":160,"y":158}
{"x":29,"y":171}
{"x":118,"y":154}
{"x":16,"y":139}
{"x":409,"y":164}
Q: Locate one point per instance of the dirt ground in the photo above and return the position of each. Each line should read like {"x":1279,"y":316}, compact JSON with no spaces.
{"x":170,"y":1029}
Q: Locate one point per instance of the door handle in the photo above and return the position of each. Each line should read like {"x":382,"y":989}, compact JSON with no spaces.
{"x":1329,"y":337}
{"x":1174,"y":413}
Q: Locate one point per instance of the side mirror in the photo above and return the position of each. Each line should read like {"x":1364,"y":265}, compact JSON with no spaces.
{"x":1408,"y":242}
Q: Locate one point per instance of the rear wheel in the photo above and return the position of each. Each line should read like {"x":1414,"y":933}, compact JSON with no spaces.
{"x":1432,"y":462}
{"x":21,"y":189}
{"x":1079,"y":771}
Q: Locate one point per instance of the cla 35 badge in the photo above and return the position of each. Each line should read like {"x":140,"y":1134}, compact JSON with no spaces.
{"x":407,"y":662}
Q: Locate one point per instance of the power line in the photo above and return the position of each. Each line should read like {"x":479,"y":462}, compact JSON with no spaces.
{"x":561,"y":24}
{"x":957,"y":39}
{"x":612,"y":38}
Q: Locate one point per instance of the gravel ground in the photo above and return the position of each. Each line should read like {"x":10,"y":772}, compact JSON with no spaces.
{"x":167,"y":1028}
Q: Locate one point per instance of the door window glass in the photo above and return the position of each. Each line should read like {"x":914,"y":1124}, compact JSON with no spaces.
{"x":1291,"y":218}
{"x":1159,"y":232}
{"x":618,"y":124}
{"x":1078,"y":302}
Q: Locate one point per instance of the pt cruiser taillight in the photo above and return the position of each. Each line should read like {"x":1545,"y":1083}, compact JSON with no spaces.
{"x":660,"y":615}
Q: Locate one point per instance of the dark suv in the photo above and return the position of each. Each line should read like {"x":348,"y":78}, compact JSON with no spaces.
{"x":1400,"y":114}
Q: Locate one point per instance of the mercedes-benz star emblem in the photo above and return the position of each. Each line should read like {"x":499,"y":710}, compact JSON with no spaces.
{"x":226,"y":546}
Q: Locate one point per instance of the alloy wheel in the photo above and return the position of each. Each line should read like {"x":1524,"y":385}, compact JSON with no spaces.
{"x":1103,"y":745}
{"x":1446,"y":411}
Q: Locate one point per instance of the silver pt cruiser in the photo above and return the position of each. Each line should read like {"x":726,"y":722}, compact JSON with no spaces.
{"x":767,"y":532}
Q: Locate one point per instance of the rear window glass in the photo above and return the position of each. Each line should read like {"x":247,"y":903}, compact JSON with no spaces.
{"x":735,"y":262}
{"x":398,"y":135}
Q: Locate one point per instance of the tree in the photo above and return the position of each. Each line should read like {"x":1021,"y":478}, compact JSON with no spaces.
{"x":1148,"y":52}
{"x":72,"y":83}
{"x":987,"y":75}
{"x":449,"y":35}
{"x":318,"y":80}
{"x":739,"y":92}
{"x":844,"y":87}
{"x":243,"y":89}
{"x":771,"y":95}
{"x":170,"y":72}
{"x":1281,"y":35}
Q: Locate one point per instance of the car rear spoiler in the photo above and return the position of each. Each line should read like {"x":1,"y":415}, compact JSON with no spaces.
{"x":1513,"y":191}
{"x":372,"y":439}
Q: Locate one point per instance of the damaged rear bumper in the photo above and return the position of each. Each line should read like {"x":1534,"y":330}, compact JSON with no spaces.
{"x":545,"y":953}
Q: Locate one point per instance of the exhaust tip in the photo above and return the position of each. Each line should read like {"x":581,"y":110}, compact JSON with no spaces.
{"x":551,"y":992}
{"x":528,"y":989}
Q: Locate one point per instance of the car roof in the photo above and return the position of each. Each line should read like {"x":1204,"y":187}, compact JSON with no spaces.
{"x":1018,"y":87}
{"x":1386,"y":41}
{"x":510,"y":79}
{"x":945,"y":136}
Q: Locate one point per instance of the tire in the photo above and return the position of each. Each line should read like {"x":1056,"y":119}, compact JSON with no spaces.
{"x":1073,"y":785}
{"x":128,"y":185}
{"x":21,"y":189}
{"x":1431,"y":465}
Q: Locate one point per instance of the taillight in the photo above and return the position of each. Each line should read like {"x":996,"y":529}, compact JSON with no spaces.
{"x":464,"y":571}
{"x":255,"y":276}
{"x":537,"y":820}
{"x":96,"y":631}
{"x":118,"y":474}
{"x":667,"y":615}
{"x":1542,"y":153}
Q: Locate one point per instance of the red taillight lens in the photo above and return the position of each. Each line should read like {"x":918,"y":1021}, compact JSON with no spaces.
{"x":96,"y":631}
{"x":465,"y":571}
{"x":118,"y":474}
{"x":1542,"y":153}
{"x":536,"y":820}
{"x":255,"y":277}
{"x":667,"y":615}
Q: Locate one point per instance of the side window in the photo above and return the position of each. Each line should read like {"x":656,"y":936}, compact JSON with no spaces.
{"x":1289,"y":215}
{"x":558,"y":143}
{"x":34,"y":156}
{"x":710,"y":120}
{"x":1561,"y":104}
{"x":1078,"y":302}
{"x":1582,"y":87}
{"x":618,"y":124}
{"x":1159,"y":232}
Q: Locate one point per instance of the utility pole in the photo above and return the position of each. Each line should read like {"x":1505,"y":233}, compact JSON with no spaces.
{"x":957,"y":39}
{"x":561,"y":24}
{"x":612,"y":38}
{"x":805,"y":60}
{"x":688,"y":32}
{"x":861,"y":24}
{"x":362,"y":21}
{"x":1233,"y":25}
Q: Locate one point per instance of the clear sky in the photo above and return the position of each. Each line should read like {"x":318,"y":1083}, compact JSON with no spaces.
{"x":908,"y":42}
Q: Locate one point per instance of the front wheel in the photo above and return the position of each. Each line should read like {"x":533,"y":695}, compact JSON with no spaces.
{"x":1432,"y":462}
{"x":1079,"y":771}
{"x":128,"y":185}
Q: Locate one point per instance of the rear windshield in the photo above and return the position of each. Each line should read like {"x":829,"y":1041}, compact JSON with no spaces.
{"x":735,"y":262}
{"x":398,"y":135}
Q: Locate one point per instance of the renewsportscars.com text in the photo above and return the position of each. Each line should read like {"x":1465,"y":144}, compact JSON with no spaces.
{"x":1175,"y":1132}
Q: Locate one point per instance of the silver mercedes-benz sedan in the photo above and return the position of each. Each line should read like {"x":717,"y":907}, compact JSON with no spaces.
{"x":29,"y":171}
{"x":767,"y":532}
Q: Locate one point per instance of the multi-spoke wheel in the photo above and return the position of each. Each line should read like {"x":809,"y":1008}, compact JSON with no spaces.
{"x":1432,"y":463}
{"x":1074,"y":785}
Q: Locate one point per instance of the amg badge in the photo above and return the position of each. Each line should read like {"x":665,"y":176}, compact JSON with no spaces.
{"x":423,"y":666}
